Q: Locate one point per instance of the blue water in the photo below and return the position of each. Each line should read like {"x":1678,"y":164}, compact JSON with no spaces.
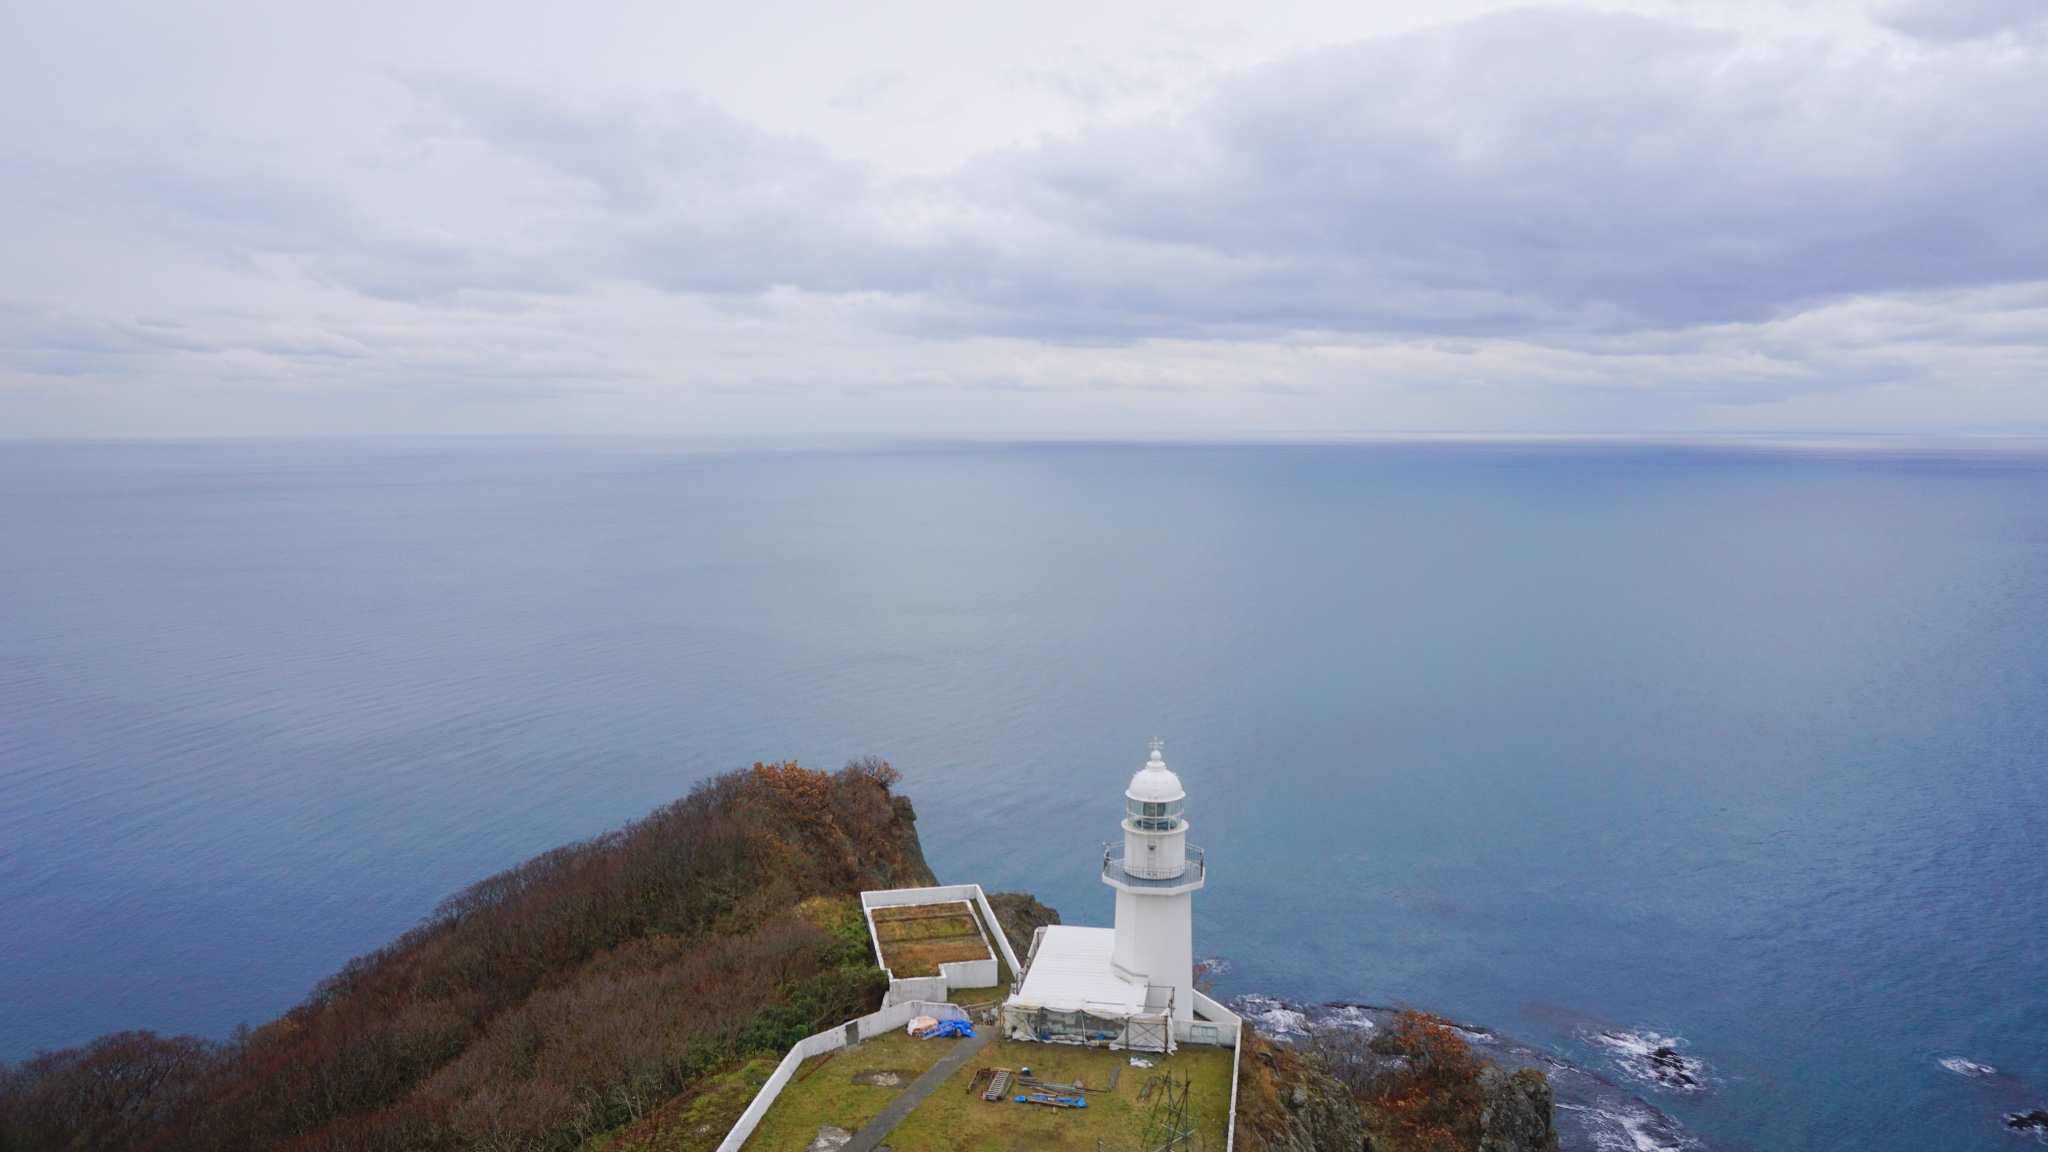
{"x":1745,"y":747}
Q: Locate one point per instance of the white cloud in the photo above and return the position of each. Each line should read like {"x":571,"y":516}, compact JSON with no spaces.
{"x":1536,"y":219}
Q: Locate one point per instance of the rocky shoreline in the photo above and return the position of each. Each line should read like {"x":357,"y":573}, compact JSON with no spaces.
{"x":1593,"y":1114}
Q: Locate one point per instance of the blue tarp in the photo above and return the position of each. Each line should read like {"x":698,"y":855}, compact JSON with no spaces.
{"x":950,"y":1028}
{"x":1069,"y":1101}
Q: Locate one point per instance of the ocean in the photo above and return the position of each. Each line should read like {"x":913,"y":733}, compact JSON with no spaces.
{"x":1736,"y":751}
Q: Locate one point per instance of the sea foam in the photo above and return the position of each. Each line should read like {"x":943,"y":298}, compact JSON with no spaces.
{"x":1654,"y":1059}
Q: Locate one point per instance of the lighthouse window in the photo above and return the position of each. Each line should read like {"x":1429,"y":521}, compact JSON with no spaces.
{"x":1155,"y":816}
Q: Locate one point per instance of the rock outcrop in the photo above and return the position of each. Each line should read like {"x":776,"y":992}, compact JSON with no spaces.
{"x":1535,"y":1101}
{"x":1021,"y":915}
{"x":913,"y":871}
{"x":1517,"y":1113}
{"x":1288,"y":1103}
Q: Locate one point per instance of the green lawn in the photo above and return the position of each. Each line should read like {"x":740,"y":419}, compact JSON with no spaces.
{"x":823,"y":1092}
{"x":952,"y":1120}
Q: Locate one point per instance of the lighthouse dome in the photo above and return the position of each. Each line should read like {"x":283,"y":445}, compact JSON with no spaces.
{"x":1154,"y":784}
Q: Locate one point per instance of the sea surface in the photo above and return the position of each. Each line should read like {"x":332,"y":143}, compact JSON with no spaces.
{"x":1736,"y":752}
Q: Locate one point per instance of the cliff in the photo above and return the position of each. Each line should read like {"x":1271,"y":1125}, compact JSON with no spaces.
{"x":1022,"y":916}
{"x":566,"y":998}
{"x":1287,"y":1102}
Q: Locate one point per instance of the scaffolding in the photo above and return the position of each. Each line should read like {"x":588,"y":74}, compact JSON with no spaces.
{"x":1149,"y":1031}
{"x":1170,"y":1125}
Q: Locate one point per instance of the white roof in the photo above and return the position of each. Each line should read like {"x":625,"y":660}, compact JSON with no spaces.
{"x":1154,"y":784}
{"x":1072,"y":971}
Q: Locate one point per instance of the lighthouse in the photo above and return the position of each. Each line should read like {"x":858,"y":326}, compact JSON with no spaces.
{"x":1155,"y":876}
{"x":1132,"y":986}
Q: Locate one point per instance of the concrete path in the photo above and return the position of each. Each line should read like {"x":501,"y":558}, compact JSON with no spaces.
{"x":866,"y":1139}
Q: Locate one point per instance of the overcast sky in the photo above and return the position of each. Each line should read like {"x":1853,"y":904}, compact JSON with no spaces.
{"x":1068,"y":216}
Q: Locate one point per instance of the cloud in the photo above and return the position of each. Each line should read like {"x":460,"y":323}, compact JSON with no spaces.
{"x":1697,"y":219}
{"x":1548,"y":169}
{"x":1524,"y":172}
{"x":1952,"y":20}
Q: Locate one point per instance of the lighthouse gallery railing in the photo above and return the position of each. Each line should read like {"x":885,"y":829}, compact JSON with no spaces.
{"x":1113,"y":868}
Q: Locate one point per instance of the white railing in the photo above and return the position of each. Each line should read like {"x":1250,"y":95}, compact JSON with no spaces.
{"x":936,"y":987}
{"x":1113,"y":868}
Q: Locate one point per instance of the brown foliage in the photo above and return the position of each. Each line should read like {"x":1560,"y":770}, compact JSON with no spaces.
{"x":1267,"y":1072}
{"x":559,"y":998}
{"x":1433,"y":1103}
{"x":107,"y":1095}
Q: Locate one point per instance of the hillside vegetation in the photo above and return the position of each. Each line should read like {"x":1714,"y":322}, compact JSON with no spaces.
{"x":576,"y":995}
{"x":1415,"y":1086}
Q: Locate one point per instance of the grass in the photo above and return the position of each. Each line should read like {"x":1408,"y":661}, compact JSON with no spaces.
{"x":823,"y":1092}
{"x":970,"y":996}
{"x":924,"y":957}
{"x":917,"y":938}
{"x":953,"y":1120}
{"x":925,"y":921}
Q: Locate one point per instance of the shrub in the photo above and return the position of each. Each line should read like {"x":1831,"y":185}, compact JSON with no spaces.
{"x":1428,"y":1099}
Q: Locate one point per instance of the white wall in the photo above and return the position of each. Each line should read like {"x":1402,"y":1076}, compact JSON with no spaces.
{"x":917,"y":988}
{"x":1155,"y":940}
{"x":897,"y":897}
{"x":969,"y":974}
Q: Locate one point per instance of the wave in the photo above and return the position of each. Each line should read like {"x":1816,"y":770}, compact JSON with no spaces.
{"x":1625,"y":1129}
{"x":1349,"y":1016}
{"x":1273,"y":1019}
{"x":1654,"y":1060}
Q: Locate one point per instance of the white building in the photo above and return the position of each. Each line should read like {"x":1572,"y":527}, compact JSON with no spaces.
{"x":1132,"y":985}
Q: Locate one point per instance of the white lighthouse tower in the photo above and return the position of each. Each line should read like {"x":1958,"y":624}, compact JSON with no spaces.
{"x":1155,"y":877}
{"x":1132,"y":986}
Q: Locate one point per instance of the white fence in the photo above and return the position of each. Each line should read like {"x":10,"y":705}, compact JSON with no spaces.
{"x":967,"y":974}
{"x":970,"y":973}
{"x":1232,"y":1025}
{"x":851,"y":1032}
